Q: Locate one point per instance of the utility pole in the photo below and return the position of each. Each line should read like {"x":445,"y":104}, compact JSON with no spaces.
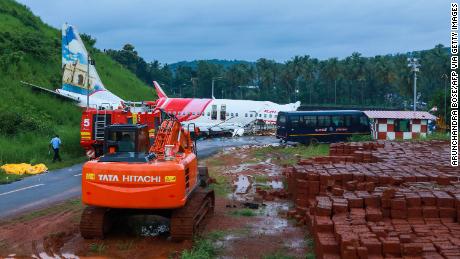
{"x":335,"y":91}
{"x":415,"y":67}
{"x":212,"y":85}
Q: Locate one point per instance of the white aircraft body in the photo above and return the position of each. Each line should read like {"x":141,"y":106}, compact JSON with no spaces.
{"x":209,"y":115}
{"x":221,"y":115}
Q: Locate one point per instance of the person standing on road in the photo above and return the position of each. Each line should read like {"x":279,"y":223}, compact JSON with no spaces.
{"x":55,"y":144}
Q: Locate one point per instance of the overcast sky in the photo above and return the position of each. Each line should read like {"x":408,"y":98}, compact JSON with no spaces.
{"x":173,"y":30}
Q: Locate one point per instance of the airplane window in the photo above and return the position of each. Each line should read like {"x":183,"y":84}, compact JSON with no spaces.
{"x":236,"y":114}
{"x":260,"y":115}
{"x":209,"y":114}
{"x":194,"y":113}
{"x":227,"y":114}
{"x":250,"y":115}
{"x":231,"y":114}
{"x":276,"y":116}
{"x":265,"y":115}
{"x":270,"y":115}
{"x":202,"y":114}
{"x":245,"y":115}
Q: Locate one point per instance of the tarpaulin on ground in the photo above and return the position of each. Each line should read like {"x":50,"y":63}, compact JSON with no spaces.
{"x":24,"y":168}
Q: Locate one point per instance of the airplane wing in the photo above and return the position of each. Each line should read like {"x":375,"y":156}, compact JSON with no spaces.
{"x":54,"y":93}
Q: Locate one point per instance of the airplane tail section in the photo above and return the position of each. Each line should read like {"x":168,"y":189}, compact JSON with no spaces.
{"x":76,"y":68}
{"x":159,"y":90}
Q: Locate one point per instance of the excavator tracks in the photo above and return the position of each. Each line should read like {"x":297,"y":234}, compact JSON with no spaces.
{"x":95,"y":222}
{"x":189,"y":220}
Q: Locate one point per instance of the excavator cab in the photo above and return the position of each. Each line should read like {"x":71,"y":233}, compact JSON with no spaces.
{"x":126,"y":143}
{"x":133,"y":175}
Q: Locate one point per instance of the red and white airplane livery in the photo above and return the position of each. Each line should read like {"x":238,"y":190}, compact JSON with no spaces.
{"x":218,"y":115}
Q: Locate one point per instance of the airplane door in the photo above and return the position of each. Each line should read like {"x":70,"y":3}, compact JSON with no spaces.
{"x":223,"y":112}
{"x":214,"y":112}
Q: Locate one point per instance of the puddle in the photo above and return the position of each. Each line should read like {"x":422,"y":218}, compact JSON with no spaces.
{"x":243,"y":183}
{"x":144,"y":225}
{"x":273,"y":223}
{"x":44,"y":255}
{"x":276,"y":184}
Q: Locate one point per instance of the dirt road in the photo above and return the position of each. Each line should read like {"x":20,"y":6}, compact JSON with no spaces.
{"x":236,"y":231}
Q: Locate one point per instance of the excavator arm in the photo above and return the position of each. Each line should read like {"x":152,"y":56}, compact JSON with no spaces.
{"x":172,"y":134}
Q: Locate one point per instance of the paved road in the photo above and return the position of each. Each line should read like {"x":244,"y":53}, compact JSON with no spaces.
{"x":59,"y":185}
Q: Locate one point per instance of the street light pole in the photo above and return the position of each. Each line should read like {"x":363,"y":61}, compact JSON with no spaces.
{"x":335,"y":91}
{"x":212,"y":85}
{"x":414,"y":65}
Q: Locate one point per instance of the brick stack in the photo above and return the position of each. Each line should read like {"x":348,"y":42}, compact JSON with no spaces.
{"x":393,"y":199}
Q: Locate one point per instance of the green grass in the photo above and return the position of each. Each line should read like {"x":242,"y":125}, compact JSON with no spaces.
{"x":204,"y":248}
{"x":243,"y":213}
{"x":97,"y":248}
{"x":288,"y":155}
{"x":222,"y":186}
{"x":30,"y":51}
{"x":125,"y":245}
{"x":278,"y":255}
{"x":360,"y":138}
{"x":261,"y":178}
{"x":310,"y":246}
{"x":436,"y":136}
{"x":74,"y":204}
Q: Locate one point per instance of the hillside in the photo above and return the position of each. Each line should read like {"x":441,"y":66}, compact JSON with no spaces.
{"x":30,"y":50}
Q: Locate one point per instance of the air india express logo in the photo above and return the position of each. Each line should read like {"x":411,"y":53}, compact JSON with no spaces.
{"x":130,"y":178}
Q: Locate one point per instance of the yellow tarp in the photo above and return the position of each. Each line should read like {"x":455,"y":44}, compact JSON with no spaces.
{"x":24,"y":168}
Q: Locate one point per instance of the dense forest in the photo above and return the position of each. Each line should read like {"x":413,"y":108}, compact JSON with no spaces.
{"x":30,"y":51}
{"x":380,"y":81}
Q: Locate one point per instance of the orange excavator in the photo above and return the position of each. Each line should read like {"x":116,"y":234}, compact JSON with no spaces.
{"x":161,"y":178}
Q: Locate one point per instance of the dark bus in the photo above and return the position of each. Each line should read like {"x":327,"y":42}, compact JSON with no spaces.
{"x":321,"y":126}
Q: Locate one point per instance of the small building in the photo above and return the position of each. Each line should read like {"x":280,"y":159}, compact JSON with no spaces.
{"x":399,"y":124}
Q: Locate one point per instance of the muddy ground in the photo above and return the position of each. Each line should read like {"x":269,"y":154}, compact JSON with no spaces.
{"x":244,"y":225}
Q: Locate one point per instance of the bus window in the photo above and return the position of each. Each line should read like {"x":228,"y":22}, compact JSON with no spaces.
{"x":348,"y":121}
{"x":363,"y":120}
{"x":324,"y":121}
{"x":337,"y":121}
{"x":295,"y":121}
{"x":310,"y":121}
{"x":282,"y":119}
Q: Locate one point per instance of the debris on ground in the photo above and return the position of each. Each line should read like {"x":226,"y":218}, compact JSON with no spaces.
{"x":379,"y":199}
{"x":23,"y":168}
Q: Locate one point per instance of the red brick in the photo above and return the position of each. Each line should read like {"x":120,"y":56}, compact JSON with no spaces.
{"x":414,"y":212}
{"x":447,"y":213}
{"x":398,"y":204}
{"x":411,"y":249}
{"x":391,"y":247}
{"x":430,"y":212}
